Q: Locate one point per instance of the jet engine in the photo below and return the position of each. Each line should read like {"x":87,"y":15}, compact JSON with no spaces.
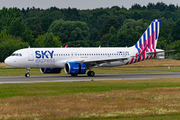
{"x":50,"y":70}
{"x":75,"y":68}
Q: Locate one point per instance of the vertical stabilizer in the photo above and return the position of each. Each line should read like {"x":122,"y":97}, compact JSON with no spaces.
{"x":150,"y":36}
{"x":147,"y":43}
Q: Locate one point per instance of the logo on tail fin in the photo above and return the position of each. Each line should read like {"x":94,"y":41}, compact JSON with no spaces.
{"x":147,"y":42}
{"x":149,"y":39}
{"x":150,"y":36}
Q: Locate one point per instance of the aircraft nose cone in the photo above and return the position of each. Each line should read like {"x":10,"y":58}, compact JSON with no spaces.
{"x":7,"y":61}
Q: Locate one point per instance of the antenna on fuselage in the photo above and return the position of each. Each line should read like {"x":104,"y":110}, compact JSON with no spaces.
{"x":29,"y":46}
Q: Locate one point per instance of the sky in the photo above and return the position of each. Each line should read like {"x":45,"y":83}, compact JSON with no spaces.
{"x":79,"y":4}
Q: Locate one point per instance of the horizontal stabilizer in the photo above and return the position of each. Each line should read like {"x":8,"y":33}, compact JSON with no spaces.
{"x":162,"y":51}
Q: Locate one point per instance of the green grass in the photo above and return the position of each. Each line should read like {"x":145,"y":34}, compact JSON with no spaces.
{"x":58,"y":89}
{"x":67,"y":88}
{"x":51,"y":90}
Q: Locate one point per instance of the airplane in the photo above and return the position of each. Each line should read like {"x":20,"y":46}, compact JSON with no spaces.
{"x":78,"y":60}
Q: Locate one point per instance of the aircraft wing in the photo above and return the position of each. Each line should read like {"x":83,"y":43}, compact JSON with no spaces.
{"x":104,"y":60}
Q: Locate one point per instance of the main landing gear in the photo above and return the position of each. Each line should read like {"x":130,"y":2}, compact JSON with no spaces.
{"x":91,"y":73}
{"x":27,"y":74}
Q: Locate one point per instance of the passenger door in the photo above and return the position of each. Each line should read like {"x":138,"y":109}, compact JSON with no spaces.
{"x":30,"y":55}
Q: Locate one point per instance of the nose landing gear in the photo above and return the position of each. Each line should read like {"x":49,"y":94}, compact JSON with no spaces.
{"x":27,"y":74}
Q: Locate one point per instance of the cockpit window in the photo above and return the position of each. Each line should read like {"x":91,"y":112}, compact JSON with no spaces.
{"x":16,"y":54}
{"x":13,"y":54}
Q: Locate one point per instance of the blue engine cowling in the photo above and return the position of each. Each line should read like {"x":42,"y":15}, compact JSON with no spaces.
{"x":75,"y":68}
{"x":50,"y":70}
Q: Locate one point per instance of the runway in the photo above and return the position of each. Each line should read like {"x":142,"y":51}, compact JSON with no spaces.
{"x":63,"y":78}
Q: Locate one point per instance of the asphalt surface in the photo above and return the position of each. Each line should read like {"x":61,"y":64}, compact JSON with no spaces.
{"x":32,"y":79}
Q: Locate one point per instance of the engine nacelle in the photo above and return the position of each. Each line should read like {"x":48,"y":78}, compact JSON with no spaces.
{"x":75,"y":68}
{"x":50,"y":70}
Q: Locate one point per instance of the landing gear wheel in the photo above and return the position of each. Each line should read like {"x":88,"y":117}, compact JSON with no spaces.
{"x":74,"y":74}
{"x":27,"y":75}
{"x":91,"y":73}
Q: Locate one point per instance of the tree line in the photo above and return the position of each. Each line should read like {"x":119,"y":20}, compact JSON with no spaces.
{"x":106,"y":27}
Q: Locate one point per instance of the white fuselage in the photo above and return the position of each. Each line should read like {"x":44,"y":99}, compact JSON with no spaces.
{"x":57,"y":57}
